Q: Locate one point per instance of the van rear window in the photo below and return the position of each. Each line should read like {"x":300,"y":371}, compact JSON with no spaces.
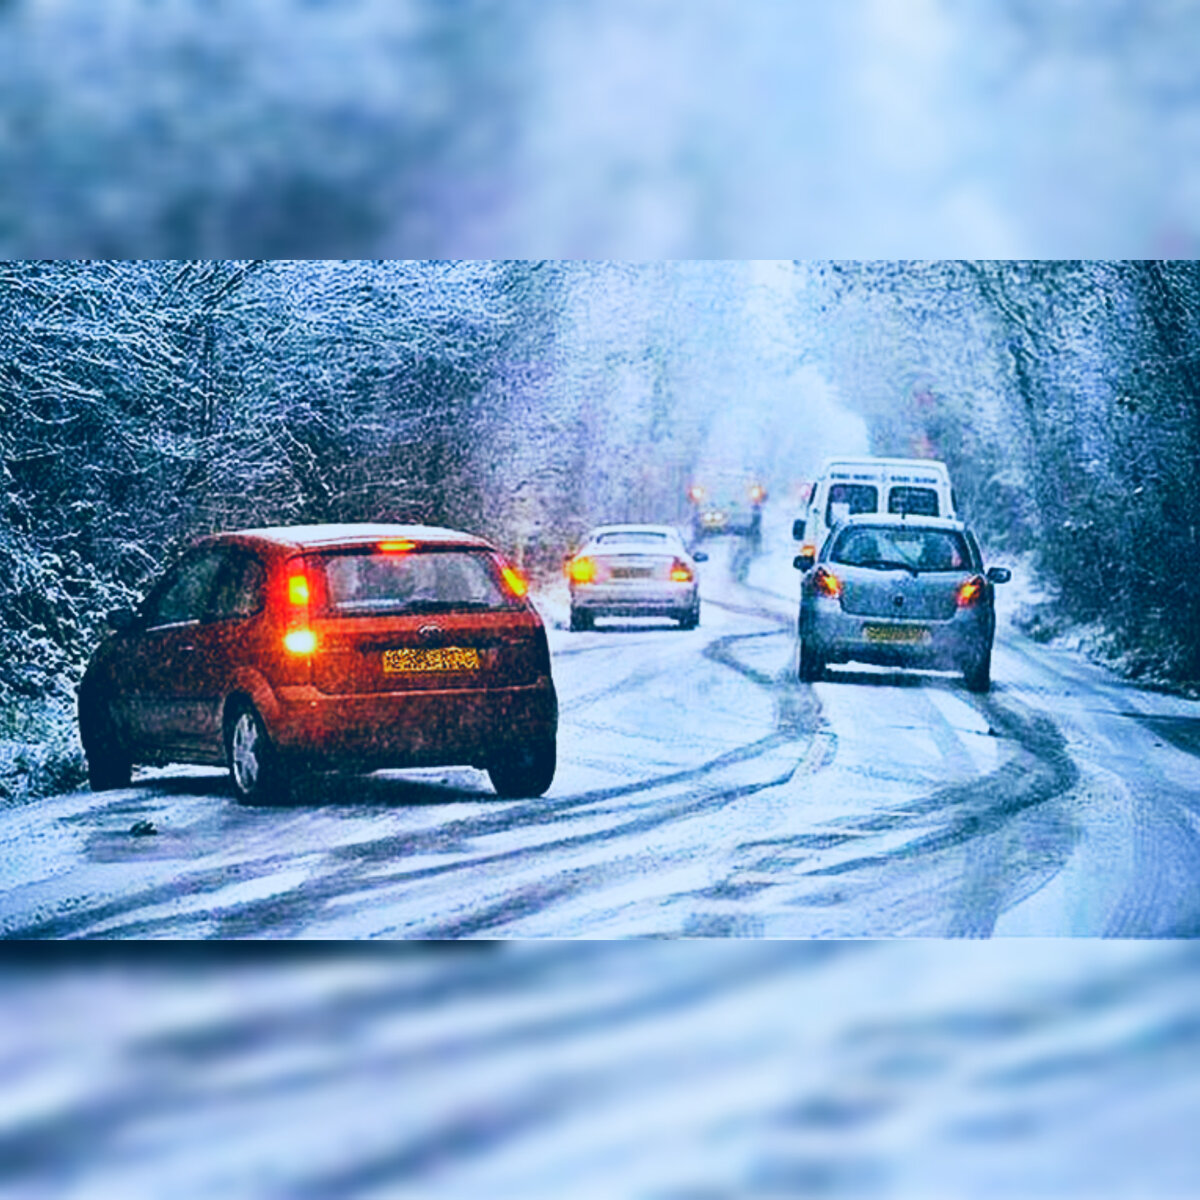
{"x":861,"y":497}
{"x":919,"y":501}
{"x":414,"y":582}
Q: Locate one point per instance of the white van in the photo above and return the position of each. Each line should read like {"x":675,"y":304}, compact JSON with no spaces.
{"x":918,"y":486}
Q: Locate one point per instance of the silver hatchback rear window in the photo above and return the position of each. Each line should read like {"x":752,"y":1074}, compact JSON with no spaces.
{"x":910,"y":547}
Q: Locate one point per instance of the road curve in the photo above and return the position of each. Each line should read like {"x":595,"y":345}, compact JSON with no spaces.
{"x":702,"y":791}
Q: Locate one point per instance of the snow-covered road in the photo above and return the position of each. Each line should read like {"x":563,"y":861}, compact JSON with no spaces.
{"x":702,"y":790}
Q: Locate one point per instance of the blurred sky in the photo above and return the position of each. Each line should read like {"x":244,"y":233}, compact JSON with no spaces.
{"x":602,"y":128}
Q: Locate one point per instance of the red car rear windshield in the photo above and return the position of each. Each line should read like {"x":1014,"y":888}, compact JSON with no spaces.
{"x":366,"y":582}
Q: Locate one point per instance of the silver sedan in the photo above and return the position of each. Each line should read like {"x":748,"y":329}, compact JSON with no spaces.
{"x":899,"y":591}
{"x":634,"y":570}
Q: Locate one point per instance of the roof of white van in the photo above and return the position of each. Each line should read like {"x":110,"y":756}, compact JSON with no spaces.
{"x":867,"y":460}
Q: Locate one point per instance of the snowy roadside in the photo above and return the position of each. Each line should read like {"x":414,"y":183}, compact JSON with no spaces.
{"x":1029,"y":606}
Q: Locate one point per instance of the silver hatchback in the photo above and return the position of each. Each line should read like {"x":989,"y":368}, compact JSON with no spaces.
{"x":897,"y":591}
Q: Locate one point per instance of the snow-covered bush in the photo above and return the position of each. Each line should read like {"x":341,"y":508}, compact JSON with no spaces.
{"x":39,"y":752}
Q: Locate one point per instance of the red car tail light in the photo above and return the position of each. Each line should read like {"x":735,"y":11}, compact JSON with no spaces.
{"x":681,"y":572}
{"x":827,"y":584}
{"x":299,"y":638}
{"x":300,"y":641}
{"x":514,"y":581}
{"x":582,"y":570}
{"x":970,"y":591}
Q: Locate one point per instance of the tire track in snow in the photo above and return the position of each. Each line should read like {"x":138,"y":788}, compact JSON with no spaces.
{"x":979,"y":816}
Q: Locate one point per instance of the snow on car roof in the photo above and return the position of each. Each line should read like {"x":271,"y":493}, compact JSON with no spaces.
{"x":659,"y":530}
{"x":341,"y":534}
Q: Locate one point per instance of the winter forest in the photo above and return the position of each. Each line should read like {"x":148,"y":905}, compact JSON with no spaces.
{"x":145,"y":403}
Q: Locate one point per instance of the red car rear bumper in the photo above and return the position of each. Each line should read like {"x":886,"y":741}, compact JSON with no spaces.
{"x":429,"y":728}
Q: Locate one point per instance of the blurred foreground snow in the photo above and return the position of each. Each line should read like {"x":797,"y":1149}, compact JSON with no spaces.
{"x":676,"y":1070}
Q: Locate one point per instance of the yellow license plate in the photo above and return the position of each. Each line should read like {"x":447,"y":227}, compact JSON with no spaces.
{"x":439,"y":658}
{"x":904,"y":635}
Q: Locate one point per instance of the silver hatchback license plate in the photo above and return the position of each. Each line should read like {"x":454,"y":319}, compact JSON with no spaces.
{"x":896,"y":635}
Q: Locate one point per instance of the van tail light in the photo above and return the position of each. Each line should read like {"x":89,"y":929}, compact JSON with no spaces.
{"x":809,"y":550}
{"x":582,"y":570}
{"x":299,"y":639}
{"x":827,"y":584}
{"x":514,"y":582}
{"x":970,"y":591}
{"x":681,"y":572}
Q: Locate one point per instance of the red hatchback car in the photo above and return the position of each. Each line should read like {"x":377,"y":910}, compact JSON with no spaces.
{"x":326,"y":646}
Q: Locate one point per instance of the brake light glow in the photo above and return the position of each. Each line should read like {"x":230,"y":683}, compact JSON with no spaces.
{"x":300,"y":641}
{"x":808,"y":549}
{"x":696,"y":493}
{"x":298,"y":637}
{"x":970,"y":591}
{"x":396,"y":547}
{"x":582,"y":570}
{"x":681,"y":572}
{"x":827,"y":584}
{"x":514,"y":581}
